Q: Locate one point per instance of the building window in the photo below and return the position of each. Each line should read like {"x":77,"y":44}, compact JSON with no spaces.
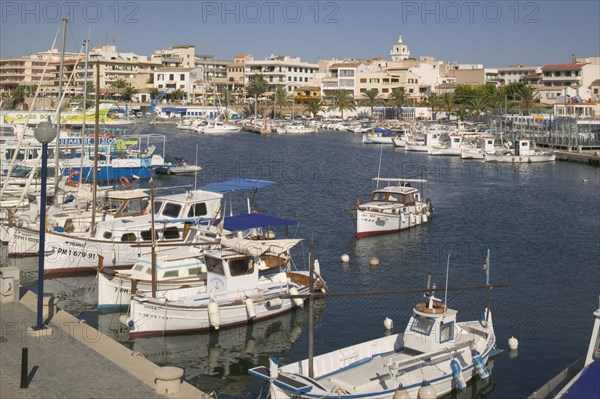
{"x":363,"y":80}
{"x":386,"y":90}
{"x":171,"y":76}
{"x":182,"y":77}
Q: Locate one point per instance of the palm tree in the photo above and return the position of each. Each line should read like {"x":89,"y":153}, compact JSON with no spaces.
{"x":313,"y":107}
{"x":256,"y":86}
{"x":177,"y":94}
{"x":433,"y":102}
{"x":398,"y":99}
{"x":154,"y":93}
{"x":478,"y":105}
{"x":371,"y":99}
{"x":281,"y":99}
{"x":128,"y":93}
{"x":343,"y":101}
{"x":447,"y":103}
{"x":527,"y":98}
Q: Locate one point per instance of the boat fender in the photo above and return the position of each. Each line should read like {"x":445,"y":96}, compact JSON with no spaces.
{"x":479,"y":365}
{"x":401,"y":393}
{"x":250,"y":309}
{"x":297,"y":301}
{"x":459,"y":381}
{"x":424,"y":218}
{"x":213,"y":315}
{"x":274,"y":303}
{"x":427,"y":391}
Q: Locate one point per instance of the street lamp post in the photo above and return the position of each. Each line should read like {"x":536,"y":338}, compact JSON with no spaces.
{"x":45,"y":132}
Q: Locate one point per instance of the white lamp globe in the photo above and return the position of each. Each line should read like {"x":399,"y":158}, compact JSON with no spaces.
{"x":44,"y":132}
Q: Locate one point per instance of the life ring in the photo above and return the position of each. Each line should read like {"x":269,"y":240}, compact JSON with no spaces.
{"x":437,"y":308}
{"x":70,"y":181}
{"x":124,"y":182}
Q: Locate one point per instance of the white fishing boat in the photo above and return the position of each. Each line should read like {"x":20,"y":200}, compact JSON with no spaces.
{"x":433,"y":356}
{"x":431,"y":140}
{"x":241,"y":288}
{"x":181,"y":167}
{"x":379,"y":136}
{"x":175,"y":267}
{"x":220,"y":127}
{"x":523,"y":152}
{"x":453,"y":148}
{"x":486,"y":146}
{"x":296,"y":128}
{"x":393,"y":208}
{"x":116,"y":239}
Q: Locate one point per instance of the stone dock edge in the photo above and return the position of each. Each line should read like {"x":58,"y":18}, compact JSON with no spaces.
{"x":139,"y":367}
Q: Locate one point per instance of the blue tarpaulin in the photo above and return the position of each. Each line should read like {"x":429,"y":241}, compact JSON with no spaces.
{"x":252,"y":221}
{"x":235,"y":184}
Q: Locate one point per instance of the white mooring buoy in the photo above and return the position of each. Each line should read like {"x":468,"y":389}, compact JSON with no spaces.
{"x":513,"y":343}
{"x":345,"y":258}
{"x":374,"y":261}
{"x":427,"y":391}
{"x":388,"y":323}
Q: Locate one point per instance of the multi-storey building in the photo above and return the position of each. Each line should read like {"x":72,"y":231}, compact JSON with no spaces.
{"x":516,"y":74}
{"x":176,"y":56}
{"x":169,"y":79}
{"x":281,"y":71}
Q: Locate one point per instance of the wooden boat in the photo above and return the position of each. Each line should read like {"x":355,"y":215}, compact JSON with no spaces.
{"x":433,"y":356}
{"x":393,"y":208}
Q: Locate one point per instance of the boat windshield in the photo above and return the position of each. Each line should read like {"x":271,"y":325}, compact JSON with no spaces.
{"x":422,"y":325}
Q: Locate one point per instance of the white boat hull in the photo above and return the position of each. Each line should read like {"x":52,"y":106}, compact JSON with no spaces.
{"x":363,"y":370}
{"x":472,"y":154}
{"x":115,"y":291}
{"x":155,"y":316}
{"x":520,"y":159}
{"x":67,"y":253}
{"x":417,"y":147}
{"x":452,"y":152}
{"x":375,"y":139}
{"x":370,"y":223}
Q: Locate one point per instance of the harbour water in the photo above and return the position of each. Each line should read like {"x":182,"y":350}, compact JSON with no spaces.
{"x":541,"y":223}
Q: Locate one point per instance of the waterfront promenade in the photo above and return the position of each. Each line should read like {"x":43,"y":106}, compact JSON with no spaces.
{"x":74,"y":361}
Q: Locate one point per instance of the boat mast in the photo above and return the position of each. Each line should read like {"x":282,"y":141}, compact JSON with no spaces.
{"x":311,"y":333}
{"x":85,"y":68}
{"x":96,"y":129}
{"x":60,"y":92}
{"x":153,"y":239}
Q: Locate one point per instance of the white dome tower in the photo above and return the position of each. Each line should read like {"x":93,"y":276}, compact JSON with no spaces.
{"x":400,"y":51}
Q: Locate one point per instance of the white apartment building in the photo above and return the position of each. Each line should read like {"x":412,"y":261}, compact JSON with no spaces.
{"x":169,"y":79}
{"x":516,"y":74}
{"x":176,"y":56}
{"x":284,"y":71}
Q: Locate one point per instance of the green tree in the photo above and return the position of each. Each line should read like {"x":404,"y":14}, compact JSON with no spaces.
{"x":478,"y":105}
{"x":150,"y":79}
{"x":313,"y":107}
{"x":17,"y":97}
{"x":342,"y":101}
{"x":154,"y":93}
{"x":398,"y":98}
{"x":447,"y":103}
{"x":433,"y":102}
{"x":281,"y":99}
{"x":256,"y":86}
{"x":128,"y":93}
{"x":177,"y":94}
{"x":371,"y":99}
{"x":120,"y":84}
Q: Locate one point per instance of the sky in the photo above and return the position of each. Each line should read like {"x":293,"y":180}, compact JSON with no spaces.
{"x":492,"y":33}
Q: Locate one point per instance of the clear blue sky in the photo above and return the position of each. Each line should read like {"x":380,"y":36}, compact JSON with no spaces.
{"x":494,"y":33}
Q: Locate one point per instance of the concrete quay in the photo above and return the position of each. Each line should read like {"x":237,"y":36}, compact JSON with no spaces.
{"x":73,"y":360}
{"x":587,"y":156}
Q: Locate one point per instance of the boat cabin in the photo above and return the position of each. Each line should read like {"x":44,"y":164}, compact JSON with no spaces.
{"x":169,"y":269}
{"x":487,"y":144}
{"x":432,"y":139}
{"x":229,"y":271}
{"x":193,"y":204}
{"x":404,"y":195}
{"x":455,"y":142}
{"x":125,"y":203}
{"x":431,"y":327}
{"x":523,"y":148}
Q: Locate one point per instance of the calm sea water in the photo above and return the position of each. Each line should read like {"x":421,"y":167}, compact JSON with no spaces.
{"x":541,"y":223}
